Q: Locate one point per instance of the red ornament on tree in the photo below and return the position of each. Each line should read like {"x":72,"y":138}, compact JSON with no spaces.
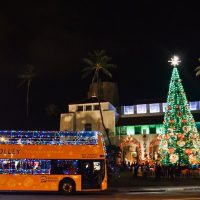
{"x":184,"y":120}
{"x":178,"y":107}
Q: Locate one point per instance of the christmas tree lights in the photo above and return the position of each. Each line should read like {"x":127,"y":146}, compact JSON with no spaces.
{"x":179,"y":142}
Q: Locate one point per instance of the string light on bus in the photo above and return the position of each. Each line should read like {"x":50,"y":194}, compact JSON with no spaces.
{"x":49,"y":137}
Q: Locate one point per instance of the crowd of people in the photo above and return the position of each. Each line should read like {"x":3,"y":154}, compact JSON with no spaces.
{"x":156,"y":170}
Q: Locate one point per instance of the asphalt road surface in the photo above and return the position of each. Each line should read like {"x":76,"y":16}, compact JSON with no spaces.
{"x":104,"y":195}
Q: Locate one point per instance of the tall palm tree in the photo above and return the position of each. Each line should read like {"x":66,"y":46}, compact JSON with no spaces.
{"x":97,"y":62}
{"x":27,"y":75}
{"x":198,"y":69}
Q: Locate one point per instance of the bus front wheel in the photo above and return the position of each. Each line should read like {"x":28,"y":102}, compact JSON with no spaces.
{"x":67,"y":187}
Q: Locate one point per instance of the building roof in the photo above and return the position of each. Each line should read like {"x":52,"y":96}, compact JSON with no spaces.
{"x":87,"y":100}
{"x":146,"y":120}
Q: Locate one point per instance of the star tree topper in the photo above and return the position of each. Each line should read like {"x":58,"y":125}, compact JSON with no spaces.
{"x":174,"y":61}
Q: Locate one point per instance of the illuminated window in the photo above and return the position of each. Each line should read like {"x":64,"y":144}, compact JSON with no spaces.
{"x":164,"y":105}
{"x":130,"y":130}
{"x":142,"y":108}
{"x":65,"y":167}
{"x":154,"y":108}
{"x":24,"y":166}
{"x":123,"y":130}
{"x":128,"y":110}
{"x":194,"y":105}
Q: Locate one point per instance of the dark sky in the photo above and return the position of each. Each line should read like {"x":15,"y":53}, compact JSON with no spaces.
{"x":54,"y":36}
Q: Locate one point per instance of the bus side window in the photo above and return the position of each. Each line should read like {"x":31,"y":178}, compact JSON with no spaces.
{"x":56,"y":167}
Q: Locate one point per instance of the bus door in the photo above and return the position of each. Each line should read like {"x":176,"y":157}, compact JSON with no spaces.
{"x":92,"y":173}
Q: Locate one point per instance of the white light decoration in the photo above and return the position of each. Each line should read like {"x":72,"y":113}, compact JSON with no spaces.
{"x":174,"y":61}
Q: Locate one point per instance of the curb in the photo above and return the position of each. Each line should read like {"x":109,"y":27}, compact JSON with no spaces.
{"x":161,"y":189}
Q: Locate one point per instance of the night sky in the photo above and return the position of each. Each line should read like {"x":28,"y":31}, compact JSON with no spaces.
{"x":54,"y":36}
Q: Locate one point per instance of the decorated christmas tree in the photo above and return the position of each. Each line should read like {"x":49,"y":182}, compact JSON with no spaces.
{"x":179,"y":142}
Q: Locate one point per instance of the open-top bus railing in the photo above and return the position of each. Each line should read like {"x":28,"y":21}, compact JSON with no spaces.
{"x":49,"y":137}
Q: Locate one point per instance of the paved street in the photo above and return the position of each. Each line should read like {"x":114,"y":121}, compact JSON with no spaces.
{"x":120,"y":196}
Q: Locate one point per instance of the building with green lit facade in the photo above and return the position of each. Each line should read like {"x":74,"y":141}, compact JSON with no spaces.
{"x":138,"y":127}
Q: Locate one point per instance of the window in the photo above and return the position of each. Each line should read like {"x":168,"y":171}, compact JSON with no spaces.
{"x":64,"y":167}
{"x":80,"y":108}
{"x":152,"y":129}
{"x":128,"y":110}
{"x":88,"y":127}
{"x":88,"y":108}
{"x":138,"y":130}
{"x":164,"y":105}
{"x":96,"y":107}
{"x":154,"y":108}
{"x":24,"y":166}
{"x":142,"y":108}
{"x":123,"y":130}
{"x":194,"y":105}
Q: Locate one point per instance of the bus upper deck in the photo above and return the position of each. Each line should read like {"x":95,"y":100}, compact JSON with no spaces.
{"x":53,"y":144}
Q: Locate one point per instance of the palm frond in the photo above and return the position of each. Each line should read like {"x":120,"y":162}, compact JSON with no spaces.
{"x":27,"y":72}
{"x":109,"y":66}
{"x":88,"y":62}
{"x":97,"y":61}
{"x":86,"y":74}
{"x":106,"y":72}
{"x":105,"y":59}
{"x":197,"y":69}
{"x":22,"y":83}
{"x":198,"y":73}
{"x":87,"y":69}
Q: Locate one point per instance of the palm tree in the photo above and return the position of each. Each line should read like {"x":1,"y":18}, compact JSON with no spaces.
{"x":27,"y":75}
{"x":198,"y":69}
{"x":97,"y":62}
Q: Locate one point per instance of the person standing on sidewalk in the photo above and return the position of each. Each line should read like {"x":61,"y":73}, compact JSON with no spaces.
{"x":135,"y":169}
{"x":145,"y":169}
{"x":158,"y":171}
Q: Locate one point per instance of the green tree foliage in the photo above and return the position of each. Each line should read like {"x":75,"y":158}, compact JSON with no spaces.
{"x":197,"y":70}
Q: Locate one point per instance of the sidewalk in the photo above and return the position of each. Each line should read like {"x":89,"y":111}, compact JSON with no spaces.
{"x":127,"y":183}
